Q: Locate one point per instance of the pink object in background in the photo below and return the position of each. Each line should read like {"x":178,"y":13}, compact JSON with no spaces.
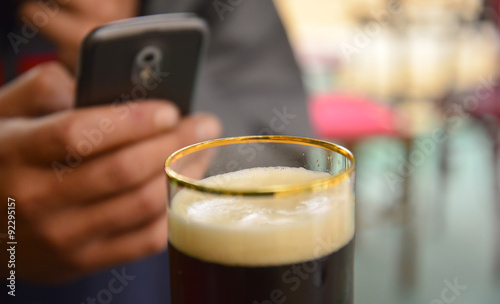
{"x":488,"y":106}
{"x":350,"y":118}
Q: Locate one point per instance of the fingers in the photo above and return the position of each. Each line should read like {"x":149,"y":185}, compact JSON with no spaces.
{"x":45,"y":89}
{"x":72,"y":136}
{"x":69,"y":57}
{"x":75,"y":228}
{"x":105,"y":10}
{"x":59,"y":25}
{"x":128,"y":211}
{"x":67,"y":23}
{"x":129,"y":246}
{"x":111,"y":250}
{"x":110,"y":174}
{"x":127,"y":168}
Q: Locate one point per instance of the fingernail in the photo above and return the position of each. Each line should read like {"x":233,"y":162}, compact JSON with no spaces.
{"x":207,"y":127}
{"x":166,"y":117}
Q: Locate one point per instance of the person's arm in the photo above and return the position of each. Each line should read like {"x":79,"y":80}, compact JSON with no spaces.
{"x":88,"y":184}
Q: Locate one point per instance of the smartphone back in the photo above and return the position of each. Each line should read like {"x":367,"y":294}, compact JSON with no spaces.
{"x":142,"y":58}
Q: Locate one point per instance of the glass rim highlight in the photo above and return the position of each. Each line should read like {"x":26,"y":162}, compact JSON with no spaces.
{"x":314,"y":186}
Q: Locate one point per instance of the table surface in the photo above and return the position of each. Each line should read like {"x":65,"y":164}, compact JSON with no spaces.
{"x":445,"y":246}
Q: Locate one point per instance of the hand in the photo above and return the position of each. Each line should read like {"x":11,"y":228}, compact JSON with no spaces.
{"x":69,"y":23}
{"x":89,"y":184}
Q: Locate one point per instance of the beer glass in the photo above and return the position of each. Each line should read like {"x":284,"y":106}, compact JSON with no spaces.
{"x":261,"y":220}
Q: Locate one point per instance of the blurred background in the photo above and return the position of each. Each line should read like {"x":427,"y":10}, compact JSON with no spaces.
{"x":413,"y":88}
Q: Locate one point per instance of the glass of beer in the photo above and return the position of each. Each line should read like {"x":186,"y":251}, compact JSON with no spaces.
{"x":261,"y":220}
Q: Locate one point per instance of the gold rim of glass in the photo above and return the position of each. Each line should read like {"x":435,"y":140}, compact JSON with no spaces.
{"x":314,"y":186}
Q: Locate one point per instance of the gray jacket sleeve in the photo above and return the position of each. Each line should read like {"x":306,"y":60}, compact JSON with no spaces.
{"x":250,"y":79}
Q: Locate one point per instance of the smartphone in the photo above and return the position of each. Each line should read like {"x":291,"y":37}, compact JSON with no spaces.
{"x":155,"y":56}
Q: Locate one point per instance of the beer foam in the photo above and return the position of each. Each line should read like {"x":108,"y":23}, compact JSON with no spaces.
{"x":262,"y":231}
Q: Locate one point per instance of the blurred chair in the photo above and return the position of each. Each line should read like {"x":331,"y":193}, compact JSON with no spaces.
{"x":350,"y":119}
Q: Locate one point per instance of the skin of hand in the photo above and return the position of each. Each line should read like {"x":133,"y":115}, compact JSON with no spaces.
{"x":107,"y":208}
{"x":71,"y":20}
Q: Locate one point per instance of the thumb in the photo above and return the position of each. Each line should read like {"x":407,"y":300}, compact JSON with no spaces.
{"x":45,"y":89}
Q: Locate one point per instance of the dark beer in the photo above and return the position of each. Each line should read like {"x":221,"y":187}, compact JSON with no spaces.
{"x":262,"y":250}
{"x":326,"y":280}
